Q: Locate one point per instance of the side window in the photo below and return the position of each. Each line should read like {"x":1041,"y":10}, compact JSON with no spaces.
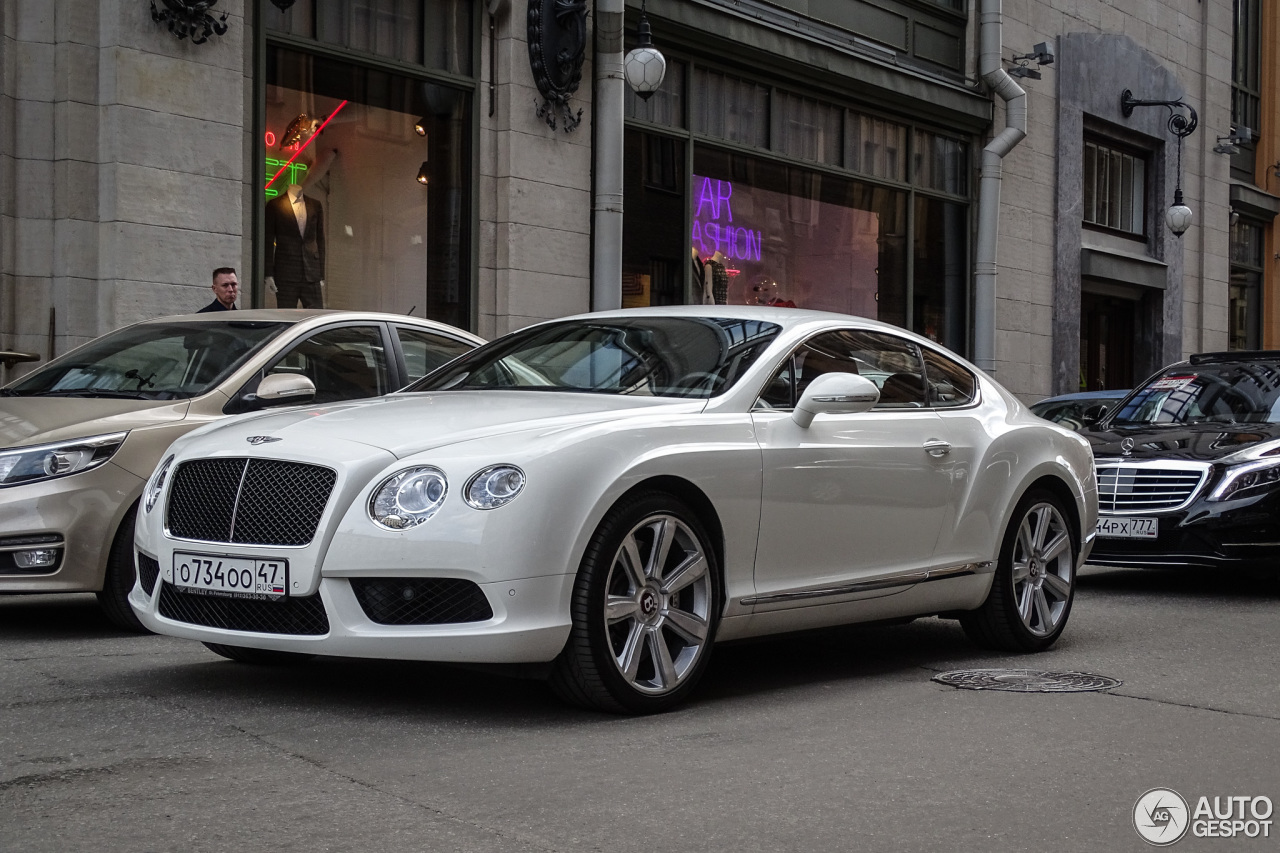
{"x":424,"y":352}
{"x":347,"y":363}
{"x":891,"y":363}
{"x":950,"y":384}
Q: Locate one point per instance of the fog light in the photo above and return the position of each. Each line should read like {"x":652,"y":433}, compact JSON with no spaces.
{"x":36,"y":559}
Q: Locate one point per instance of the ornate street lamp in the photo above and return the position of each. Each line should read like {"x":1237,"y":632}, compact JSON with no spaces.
{"x":1178,"y":216}
{"x":645,"y":66}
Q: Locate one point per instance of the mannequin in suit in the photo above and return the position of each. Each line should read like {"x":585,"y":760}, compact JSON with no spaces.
{"x":294,"y":269}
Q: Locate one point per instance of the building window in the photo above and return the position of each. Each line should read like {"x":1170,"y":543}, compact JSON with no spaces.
{"x":1115,"y":189}
{"x":1246,"y":85}
{"x":367,"y":189}
{"x":1244,"y":300}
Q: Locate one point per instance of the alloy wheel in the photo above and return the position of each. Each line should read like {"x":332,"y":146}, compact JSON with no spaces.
{"x":1043,"y":569}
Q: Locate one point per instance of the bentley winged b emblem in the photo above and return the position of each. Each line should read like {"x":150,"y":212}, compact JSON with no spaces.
{"x":262,"y":439}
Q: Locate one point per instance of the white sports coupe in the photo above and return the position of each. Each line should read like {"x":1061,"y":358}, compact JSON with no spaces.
{"x":609,"y":494}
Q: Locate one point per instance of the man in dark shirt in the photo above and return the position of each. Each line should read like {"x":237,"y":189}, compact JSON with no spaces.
{"x":226,"y":287}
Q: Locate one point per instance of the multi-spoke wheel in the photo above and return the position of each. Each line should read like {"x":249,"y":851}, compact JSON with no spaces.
{"x":1034,"y":582}
{"x":645,"y":608}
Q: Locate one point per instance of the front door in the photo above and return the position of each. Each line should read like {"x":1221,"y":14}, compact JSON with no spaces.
{"x":1107,"y":328}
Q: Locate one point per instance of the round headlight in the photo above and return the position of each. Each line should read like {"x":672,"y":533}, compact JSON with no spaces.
{"x":494,"y":487}
{"x":408,"y":498}
{"x":156,"y":486}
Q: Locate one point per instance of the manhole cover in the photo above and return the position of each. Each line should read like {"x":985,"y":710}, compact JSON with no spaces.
{"x":1026,"y":680}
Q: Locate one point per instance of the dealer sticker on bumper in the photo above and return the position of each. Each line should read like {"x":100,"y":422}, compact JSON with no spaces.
{"x":1128,"y":527}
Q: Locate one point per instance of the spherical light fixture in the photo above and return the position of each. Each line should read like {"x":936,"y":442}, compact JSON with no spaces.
{"x":645,"y":66}
{"x":1178,"y":217}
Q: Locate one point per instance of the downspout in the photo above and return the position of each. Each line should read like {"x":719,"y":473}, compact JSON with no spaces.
{"x":991,"y":68}
{"x":606,"y":260}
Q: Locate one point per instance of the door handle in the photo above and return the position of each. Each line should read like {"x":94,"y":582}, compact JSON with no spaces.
{"x":937,"y":447}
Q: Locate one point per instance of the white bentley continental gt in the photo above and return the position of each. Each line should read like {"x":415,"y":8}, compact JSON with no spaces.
{"x":608,"y":495}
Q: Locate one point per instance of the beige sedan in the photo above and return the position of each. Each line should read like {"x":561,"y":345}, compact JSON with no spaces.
{"x":80,"y":436}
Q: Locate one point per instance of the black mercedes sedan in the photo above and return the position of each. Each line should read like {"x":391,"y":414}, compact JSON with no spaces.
{"x":1189,"y":467}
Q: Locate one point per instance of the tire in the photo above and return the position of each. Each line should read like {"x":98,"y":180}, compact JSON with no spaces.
{"x":119,"y":579}
{"x":259,"y":657}
{"x":645,"y":608}
{"x":1034,"y":584}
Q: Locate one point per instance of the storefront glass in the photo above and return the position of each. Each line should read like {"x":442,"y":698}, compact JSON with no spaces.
{"x":367,"y":189}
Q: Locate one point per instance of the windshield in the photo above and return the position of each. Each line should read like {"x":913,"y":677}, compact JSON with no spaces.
{"x":1224,"y":393}
{"x":649,"y":356}
{"x":150,"y":361}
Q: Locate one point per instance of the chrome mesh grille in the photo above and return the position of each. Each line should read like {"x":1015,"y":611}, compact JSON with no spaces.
{"x":1148,"y":487}
{"x":248,"y":501}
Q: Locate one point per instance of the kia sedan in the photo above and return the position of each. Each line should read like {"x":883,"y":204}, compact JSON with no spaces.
{"x":604,"y":497}
{"x":80,"y":436}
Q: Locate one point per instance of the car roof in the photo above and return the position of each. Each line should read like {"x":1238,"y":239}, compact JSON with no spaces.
{"x":1084,"y":395}
{"x":310,"y":316}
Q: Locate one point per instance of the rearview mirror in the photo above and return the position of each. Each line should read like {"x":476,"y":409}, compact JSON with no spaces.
{"x":278,"y":389}
{"x":1094,"y":413}
{"x":835,"y":394}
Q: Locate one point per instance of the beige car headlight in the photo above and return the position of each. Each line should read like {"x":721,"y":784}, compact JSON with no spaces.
{"x":408,"y":498}
{"x":47,"y":461}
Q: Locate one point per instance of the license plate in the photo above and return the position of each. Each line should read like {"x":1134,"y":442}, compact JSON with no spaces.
{"x":1128,"y":528}
{"x":235,"y":577}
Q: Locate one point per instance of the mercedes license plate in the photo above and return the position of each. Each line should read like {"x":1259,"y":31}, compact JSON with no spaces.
{"x":236,"y":577}
{"x":1128,"y":527}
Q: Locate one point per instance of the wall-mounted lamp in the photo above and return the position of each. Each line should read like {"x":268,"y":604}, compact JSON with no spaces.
{"x":1235,"y":216}
{"x":1230,"y":144}
{"x":420,"y":126}
{"x":1178,"y":216}
{"x":424,"y":173}
{"x":645,"y":66}
{"x":1040,"y":55}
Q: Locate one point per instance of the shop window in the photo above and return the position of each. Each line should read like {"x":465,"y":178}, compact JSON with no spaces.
{"x":808,"y":129}
{"x":1115,"y":189}
{"x":940,"y":163}
{"x":665,"y":106}
{"x":1244,"y":299}
{"x":653,"y":260}
{"x":367,"y":190}
{"x":730,"y":108}
{"x":876,"y":147}
{"x":765,"y":233}
{"x":434,"y":33}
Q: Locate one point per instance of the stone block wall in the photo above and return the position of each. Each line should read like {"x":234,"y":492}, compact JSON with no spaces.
{"x":121,"y":167}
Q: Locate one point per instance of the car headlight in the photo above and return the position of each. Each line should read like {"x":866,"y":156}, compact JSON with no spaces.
{"x":408,"y":498}
{"x":1250,"y":478}
{"x":30,"y":464}
{"x":156,"y":484}
{"x":493,"y":487}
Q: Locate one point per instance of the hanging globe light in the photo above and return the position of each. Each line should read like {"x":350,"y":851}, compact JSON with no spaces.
{"x":1178,"y":217}
{"x":645,"y":66}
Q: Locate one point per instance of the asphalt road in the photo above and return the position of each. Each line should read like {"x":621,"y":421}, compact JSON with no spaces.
{"x":830,"y":741}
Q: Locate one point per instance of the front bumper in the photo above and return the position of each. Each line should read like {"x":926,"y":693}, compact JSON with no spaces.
{"x":530,"y":624}
{"x":83,"y":510}
{"x":1234,"y":535}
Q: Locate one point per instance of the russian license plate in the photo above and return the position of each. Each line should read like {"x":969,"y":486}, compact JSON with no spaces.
{"x":1128,"y":527}
{"x":236,"y":577}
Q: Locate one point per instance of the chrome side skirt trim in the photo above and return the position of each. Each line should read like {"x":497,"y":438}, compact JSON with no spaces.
{"x":904,"y":579}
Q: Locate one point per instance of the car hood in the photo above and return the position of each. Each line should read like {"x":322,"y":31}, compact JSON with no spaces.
{"x":411,"y":423}
{"x":1202,"y":442}
{"x":27,"y":421}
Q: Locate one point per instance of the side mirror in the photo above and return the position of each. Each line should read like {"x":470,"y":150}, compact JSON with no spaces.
{"x":835,"y":394}
{"x":282,"y":389}
{"x":1094,"y":413}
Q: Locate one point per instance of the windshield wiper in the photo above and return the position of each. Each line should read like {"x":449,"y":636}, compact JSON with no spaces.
{"x":95,"y":392}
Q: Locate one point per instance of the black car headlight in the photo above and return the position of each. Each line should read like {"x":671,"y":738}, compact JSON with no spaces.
{"x":47,"y":461}
{"x":408,"y":498}
{"x":1246,"y":480}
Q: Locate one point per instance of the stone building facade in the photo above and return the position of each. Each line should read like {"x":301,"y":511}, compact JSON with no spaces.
{"x":828,"y":151}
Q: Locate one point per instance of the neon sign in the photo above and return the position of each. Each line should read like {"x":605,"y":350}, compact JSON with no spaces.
{"x":713,"y":227}
{"x":296,"y":174}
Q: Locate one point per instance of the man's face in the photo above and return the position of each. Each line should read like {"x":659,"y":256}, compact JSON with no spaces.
{"x":226,"y":288}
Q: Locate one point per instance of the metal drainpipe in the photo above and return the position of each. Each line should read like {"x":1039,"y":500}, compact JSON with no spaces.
{"x":990,"y":66}
{"x":606,"y":263}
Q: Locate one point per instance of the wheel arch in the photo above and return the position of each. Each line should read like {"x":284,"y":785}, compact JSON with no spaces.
{"x":1057,"y":487}
{"x":696,"y":500}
